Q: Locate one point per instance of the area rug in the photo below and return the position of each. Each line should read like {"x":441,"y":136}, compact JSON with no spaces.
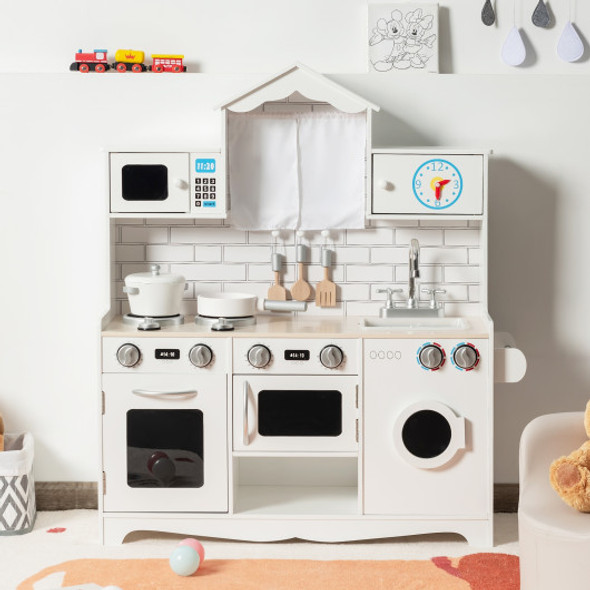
{"x":478,"y":571}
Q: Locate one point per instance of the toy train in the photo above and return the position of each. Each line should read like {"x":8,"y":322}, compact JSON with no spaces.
{"x":126,"y":60}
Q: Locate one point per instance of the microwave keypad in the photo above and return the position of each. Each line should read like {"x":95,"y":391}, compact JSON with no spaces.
{"x":205,"y":192}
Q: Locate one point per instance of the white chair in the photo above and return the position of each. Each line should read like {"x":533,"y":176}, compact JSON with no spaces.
{"x":554,"y":538}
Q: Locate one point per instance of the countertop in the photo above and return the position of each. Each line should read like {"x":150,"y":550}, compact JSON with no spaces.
{"x":288,"y":326}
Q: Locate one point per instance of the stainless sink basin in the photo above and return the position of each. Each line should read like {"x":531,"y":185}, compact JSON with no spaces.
{"x":414,"y":324}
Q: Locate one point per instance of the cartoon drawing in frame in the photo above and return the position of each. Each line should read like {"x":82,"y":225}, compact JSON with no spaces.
{"x":403,"y":36}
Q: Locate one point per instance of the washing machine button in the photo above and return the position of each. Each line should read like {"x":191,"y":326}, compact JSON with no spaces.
{"x":431,"y":356}
{"x":465,"y":357}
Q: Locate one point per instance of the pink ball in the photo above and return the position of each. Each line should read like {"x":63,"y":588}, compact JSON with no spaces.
{"x":196,"y":545}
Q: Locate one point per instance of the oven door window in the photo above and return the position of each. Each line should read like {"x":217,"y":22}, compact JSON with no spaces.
{"x":299,"y":413}
{"x":165,"y":449}
{"x":144,"y":182}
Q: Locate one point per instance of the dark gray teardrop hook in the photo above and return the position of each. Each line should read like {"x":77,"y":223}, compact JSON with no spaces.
{"x":541,"y":17}
{"x":488,"y":16}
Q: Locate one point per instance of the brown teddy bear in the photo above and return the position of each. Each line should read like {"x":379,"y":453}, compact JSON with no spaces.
{"x":570,"y":476}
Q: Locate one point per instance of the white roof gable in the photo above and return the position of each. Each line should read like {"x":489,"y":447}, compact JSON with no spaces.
{"x":299,"y":78}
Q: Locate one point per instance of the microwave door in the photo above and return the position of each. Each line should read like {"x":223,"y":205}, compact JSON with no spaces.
{"x":150,"y":183}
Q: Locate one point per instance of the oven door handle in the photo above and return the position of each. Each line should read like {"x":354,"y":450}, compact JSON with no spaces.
{"x":245,"y":409}
{"x":165,"y":394}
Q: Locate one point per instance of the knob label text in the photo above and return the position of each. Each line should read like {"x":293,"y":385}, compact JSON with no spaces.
{"x":167,"y":353}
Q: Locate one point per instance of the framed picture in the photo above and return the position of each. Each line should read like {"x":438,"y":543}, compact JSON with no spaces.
{"x":403,"y":36}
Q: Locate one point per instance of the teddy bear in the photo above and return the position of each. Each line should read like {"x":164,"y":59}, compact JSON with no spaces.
{"x":570,"y":476}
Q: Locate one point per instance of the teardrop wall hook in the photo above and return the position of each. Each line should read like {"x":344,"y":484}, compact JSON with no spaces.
{"x":488,"y":15}
{"x":570,"y":46}
{"x":541,"y":17}
{"x":514,"y":50}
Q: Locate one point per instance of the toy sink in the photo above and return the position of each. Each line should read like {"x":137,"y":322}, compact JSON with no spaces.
{"x":414,"y":323}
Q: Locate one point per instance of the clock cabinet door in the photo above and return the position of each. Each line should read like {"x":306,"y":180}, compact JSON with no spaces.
{"x":427,"y":184}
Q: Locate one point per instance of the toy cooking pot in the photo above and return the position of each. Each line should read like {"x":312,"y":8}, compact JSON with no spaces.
{"x":153,"y":294}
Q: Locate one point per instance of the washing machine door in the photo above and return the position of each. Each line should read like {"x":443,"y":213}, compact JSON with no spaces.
{"x":428,"y":434}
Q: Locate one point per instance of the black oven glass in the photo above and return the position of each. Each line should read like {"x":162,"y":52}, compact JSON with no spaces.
{"x":165,"y":449}
{"x":296,"y":412}
{"x":144,"y":182}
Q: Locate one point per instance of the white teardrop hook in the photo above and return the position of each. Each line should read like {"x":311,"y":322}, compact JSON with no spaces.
{"x":513,"y":50}
{"x":570,"y":46}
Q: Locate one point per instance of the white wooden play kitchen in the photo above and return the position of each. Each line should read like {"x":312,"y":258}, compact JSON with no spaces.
{"x":268,"y":426}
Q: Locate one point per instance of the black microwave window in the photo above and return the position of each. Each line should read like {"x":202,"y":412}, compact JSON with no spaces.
{"x":300,"y":413}
{"x":165,"y":449}
{"x":144,"y":182}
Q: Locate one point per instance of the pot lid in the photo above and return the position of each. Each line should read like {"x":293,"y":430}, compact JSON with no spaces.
{"x":154,"y":276}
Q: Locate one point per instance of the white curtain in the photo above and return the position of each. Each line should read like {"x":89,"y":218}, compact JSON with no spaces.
{"x":297,"y":171}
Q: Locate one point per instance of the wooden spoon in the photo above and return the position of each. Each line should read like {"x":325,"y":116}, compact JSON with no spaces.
{"x":277,"y":292}
{"x":301,"y":290}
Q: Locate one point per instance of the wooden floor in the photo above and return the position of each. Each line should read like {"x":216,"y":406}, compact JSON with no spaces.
{"x":72,"y":495}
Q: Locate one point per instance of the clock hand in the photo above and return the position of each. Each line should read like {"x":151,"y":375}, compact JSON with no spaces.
{"x":438,"y":185}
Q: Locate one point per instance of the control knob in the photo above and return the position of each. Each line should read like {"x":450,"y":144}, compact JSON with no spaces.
{"x":128,"y":355}
{"x":331,"y":356}
{"x":431,"y":357}
{"x":465,"y":357}
{"x":200,"y":355}
{"x":259,"y":356}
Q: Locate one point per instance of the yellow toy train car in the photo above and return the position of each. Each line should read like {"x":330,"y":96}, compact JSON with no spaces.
{"x":129,"y":60}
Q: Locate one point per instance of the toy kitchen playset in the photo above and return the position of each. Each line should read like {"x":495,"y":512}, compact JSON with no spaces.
{"x":353,"y":413}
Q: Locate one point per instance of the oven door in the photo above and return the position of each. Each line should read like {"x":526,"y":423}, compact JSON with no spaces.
{"x":149,"y":182}
{"x":298,"y":414}
{"x":164,"y":443}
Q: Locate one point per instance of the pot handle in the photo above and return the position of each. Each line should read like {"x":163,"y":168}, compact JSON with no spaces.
{"x":131,"y":290}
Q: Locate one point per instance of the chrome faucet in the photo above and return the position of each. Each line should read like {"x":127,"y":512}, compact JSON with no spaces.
{"x":414,"y":273}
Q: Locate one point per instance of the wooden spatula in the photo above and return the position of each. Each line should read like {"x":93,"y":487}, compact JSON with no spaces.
{"x":301,"y":290}
{"x":277,"y":292}
{"x":325,"y":291}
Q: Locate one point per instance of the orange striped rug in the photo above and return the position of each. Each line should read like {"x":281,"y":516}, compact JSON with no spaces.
{"x":479,"y":571}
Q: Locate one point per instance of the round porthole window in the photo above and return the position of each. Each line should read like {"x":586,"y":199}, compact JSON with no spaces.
{"x":429,"y":434}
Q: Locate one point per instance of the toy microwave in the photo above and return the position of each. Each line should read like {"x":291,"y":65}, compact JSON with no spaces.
{"x":189,"y":184}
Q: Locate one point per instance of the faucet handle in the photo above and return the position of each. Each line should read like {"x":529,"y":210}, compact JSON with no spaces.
{"x":390,"y":293}
{"x":432,"y":293}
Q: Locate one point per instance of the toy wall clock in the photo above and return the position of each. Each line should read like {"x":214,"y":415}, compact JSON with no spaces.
{"x":403,"y":37}
{"x":437,"y":183}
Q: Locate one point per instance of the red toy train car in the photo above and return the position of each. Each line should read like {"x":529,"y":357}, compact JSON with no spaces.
{"x":91,"y":62}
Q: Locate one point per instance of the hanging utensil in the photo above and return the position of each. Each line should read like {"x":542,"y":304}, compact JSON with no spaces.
{"x":301,"y":290}
{"x":488,"y":15}
{"x":325,"y":292}
{"x":277,"y":291}
{"x":541,"y":17}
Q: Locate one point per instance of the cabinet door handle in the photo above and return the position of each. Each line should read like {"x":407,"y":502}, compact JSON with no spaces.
{"x":165,"y":394}
{"x":246,"y":425}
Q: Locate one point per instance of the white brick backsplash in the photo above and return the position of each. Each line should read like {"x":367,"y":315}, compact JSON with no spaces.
{"x":207,"y":235}
{"x":462,"y":274}
{"x":208,"y":253}
{"x":426,"y":237}
{"x":144,"y":235}
{"x":125,"y":253}
{"x":428,"y":274}
{"x":443,"y":256}
{"x":382,"y":255}
{"x":455,"y":309}
{"x":462,"y":237}
{"x":215,"y":257}
{"x":369,"y":273}
{"x":170,"y":253}
{"x":246,"y":253}
{"x":211,"y":272}
{"x":369,"y":236}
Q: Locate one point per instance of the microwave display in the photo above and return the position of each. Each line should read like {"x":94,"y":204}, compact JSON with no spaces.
{"x":144,"y":182}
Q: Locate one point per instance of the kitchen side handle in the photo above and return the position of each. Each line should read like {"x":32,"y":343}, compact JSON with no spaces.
{"x":246,"y":425}
{"x":131,"y":290}
{"x":165,"y":394}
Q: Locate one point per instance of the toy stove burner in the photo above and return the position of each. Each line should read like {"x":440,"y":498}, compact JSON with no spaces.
{"x":153,"y":322}
{"x":219,"y":324}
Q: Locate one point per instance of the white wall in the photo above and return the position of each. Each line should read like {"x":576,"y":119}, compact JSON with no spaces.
{"x":52,"y":226}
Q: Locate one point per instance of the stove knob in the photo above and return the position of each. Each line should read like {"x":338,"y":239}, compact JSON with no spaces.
{"x":259,"y":356}
{"x":128,"y":355}
{"x":200,"y":355}
{"x":431,"y":357}
{"x":465,"y":357}
{"x":331,"y":357}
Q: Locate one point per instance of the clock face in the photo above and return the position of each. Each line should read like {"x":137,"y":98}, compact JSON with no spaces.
{"x":437,"y":183}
